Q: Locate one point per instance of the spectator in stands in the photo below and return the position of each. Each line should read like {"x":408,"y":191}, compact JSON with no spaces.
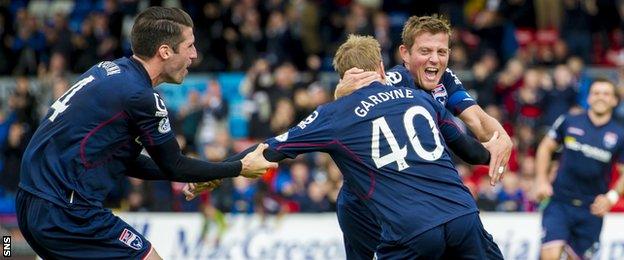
{"x":12,"y":152}
{"x":510,"y":197}
{"x":214,"y":114}
{"x":283,"y":116}
{"x":575,"y":28}
{"x":559,"y":97}
{"x":29,"y":45}
{"x":581,"y":80}
{"x":24,"y":103}
{"x":484,"y":79}
{"x":243,"y":195}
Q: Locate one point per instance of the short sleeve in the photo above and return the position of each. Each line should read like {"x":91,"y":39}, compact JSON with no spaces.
{"x":557,"y":131}
{"x":458,"y":97}
{"x":315,"y":133}
{"x":148,"y":111}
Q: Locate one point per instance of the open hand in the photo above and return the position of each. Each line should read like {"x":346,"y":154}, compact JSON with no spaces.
{"x":354,"y":79}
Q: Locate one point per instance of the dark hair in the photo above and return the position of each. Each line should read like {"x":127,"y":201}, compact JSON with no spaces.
{"x":157,"y":26}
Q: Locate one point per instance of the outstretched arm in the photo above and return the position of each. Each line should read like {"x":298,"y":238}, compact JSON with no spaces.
{"x":168,"y":163}
{"x":191,"y":190}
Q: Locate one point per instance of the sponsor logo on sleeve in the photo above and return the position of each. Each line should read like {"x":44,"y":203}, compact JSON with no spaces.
{"x":303,"y":124}
{"x":161,"y":109}
{"x":394,"y":77}
{"x":130,"y":239}
{"x":282,"y":138}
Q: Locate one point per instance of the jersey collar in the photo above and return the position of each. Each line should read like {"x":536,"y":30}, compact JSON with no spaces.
{"x":137,"y":64}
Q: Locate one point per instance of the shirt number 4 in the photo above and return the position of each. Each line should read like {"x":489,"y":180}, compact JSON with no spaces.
{"x":61,"y":104}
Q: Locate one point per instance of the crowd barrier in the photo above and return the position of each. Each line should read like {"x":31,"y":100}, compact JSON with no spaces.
{"x":318,"y":236}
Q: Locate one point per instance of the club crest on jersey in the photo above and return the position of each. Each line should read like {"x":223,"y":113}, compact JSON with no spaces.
{"x":164,"y":126}
{"x":303,"y":124}
{"x":161,"y":109}
{"x":394,"y":77}
{"x":439,"y":93}
{"x":610,"y":140}
{"x":130,"y":239}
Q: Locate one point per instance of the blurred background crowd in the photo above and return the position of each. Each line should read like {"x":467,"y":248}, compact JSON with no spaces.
{"x":525,"y":61}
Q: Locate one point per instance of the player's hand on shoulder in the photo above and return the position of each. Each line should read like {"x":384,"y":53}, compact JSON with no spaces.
{"x":354,"y":79}
{"x":254,"y":163}
{"x":601,"y":205}
{"x":191,"y":190}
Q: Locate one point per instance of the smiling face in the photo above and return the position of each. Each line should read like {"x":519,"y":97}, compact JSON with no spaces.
{"x":602,"y":97}
{"x":427,"y":58}
{"x":177,"y":63}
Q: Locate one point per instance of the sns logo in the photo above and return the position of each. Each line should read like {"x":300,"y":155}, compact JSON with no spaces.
{"x":394,"y":77}
{"x":303,"y":124}
{"x":6,"y":246}
{"x":161,"y":109}
{"x":130,"y":239}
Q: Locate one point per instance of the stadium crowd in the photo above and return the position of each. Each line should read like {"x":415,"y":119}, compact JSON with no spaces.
{"x":525,"y":62}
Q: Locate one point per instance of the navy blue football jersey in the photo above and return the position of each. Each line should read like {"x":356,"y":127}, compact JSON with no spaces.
{"x":387,"y":143}
{"x":450,"y":92}
{"x":82,"y":145}
{"x":588,"y":155}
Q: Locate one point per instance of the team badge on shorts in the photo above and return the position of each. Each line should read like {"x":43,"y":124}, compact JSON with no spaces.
{"x":610,"y":140}
{"x":130,"y":239}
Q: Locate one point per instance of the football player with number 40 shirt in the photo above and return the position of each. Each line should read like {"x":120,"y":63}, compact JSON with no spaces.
{"x":425,"y":53}
{"x":389,"y":143}
{"x":93,"y":135}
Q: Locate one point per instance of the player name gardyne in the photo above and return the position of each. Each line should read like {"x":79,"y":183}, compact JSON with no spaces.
{"x":372,"y":100}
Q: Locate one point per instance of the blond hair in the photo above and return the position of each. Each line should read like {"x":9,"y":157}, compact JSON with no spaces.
{"x":359,"y":51}
{"x":416,"y":25}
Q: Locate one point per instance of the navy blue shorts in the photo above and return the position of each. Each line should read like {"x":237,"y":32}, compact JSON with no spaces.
{"x":460,"y":238}
{"x":566,"y":224}
{"x":54,"y":232}
{"x":360,"y":230}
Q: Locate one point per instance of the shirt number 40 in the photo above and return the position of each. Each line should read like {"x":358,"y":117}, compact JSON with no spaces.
{"x":398,"y":154}
{"x":61,"y":104}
